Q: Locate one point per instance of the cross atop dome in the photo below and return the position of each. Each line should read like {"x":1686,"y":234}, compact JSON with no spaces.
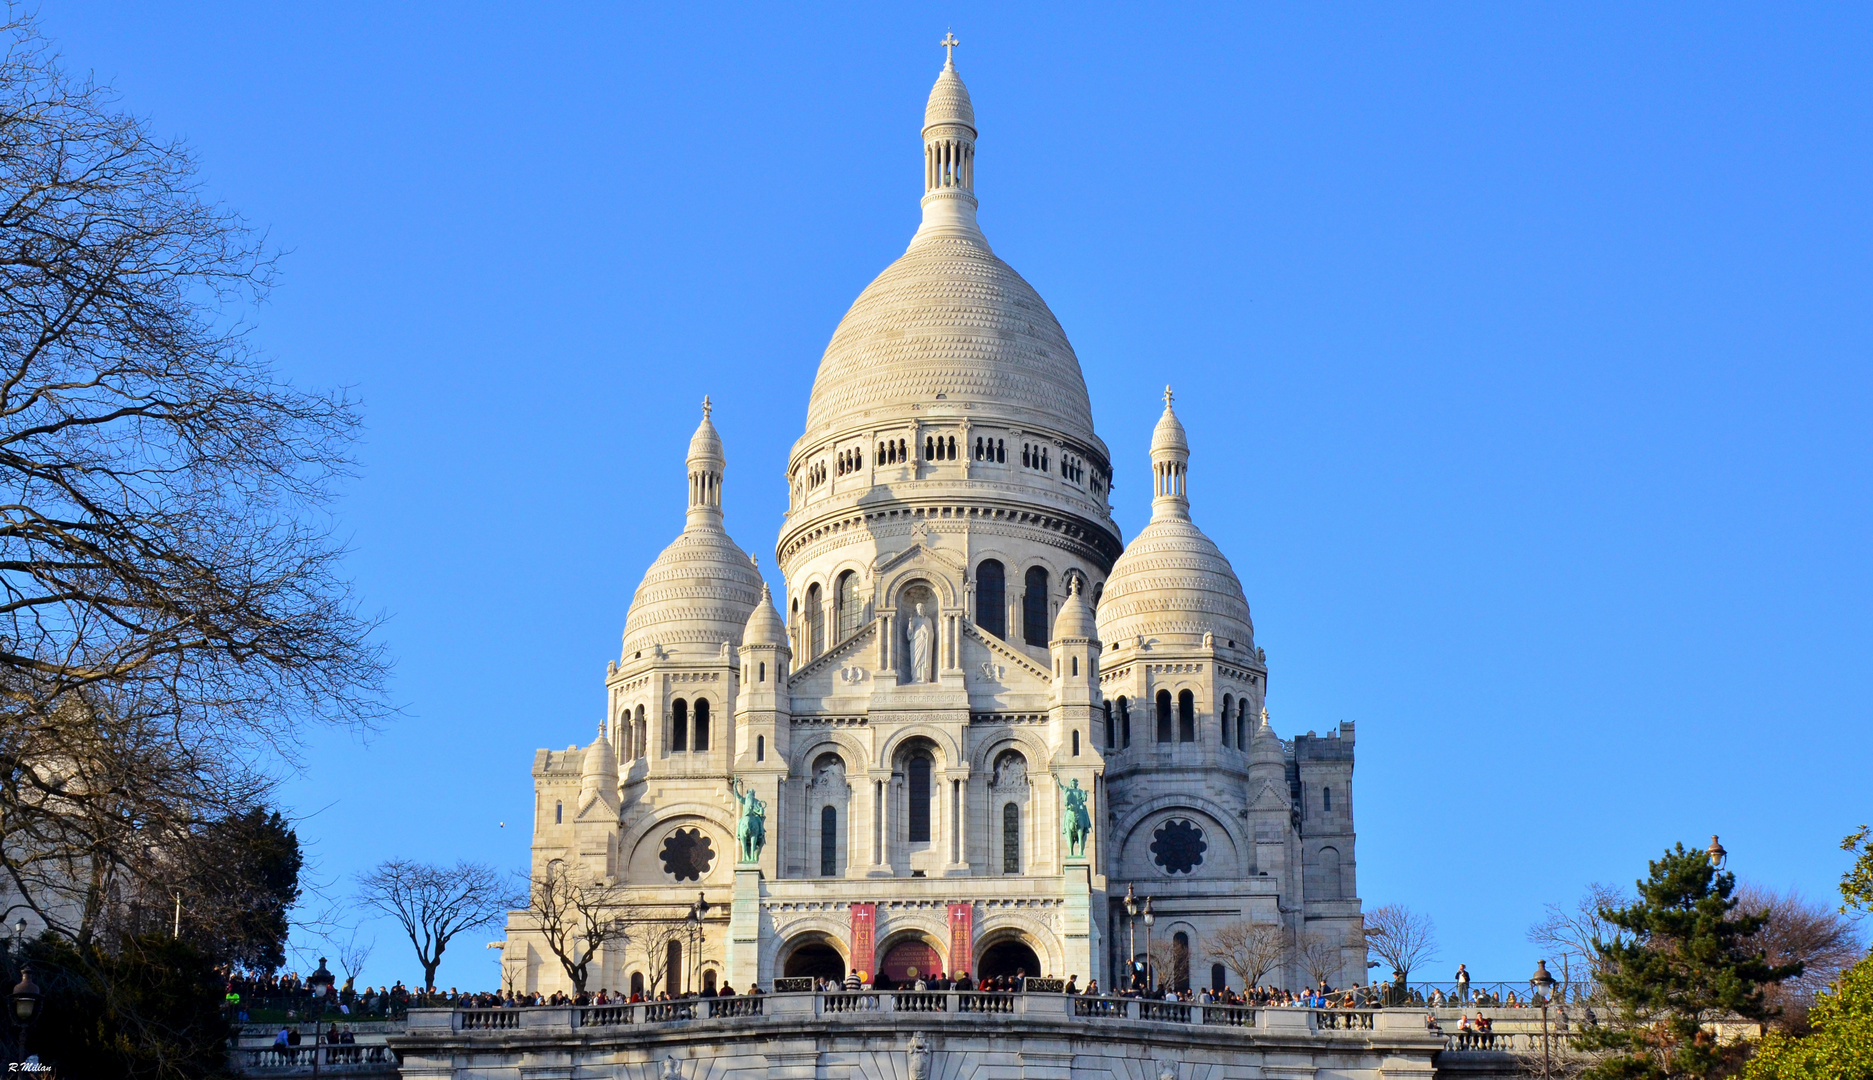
{"x":949,"y":44}
{"x":1168,"y":395}
{"x":707,"y":408}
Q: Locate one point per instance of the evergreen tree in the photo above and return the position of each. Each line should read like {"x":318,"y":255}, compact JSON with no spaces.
{"x":1685,"y":960}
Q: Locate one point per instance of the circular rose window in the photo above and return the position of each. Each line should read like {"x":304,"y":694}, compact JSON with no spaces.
{"x":687,"y":854}
{"x":1178,"y":846}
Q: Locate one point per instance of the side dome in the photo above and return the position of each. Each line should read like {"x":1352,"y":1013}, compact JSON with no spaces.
{"x":696,"y":595}
{"x":1173,"y":582}
{"x":700,"y":591}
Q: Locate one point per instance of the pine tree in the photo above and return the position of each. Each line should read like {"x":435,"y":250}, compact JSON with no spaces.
{"x":1685,"y":960}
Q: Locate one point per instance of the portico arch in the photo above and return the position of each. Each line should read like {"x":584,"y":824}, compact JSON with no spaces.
{"x":813,"y":954}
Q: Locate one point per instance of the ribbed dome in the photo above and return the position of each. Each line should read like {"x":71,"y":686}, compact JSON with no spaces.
{"x":1168,"y":437}
{"x":948,"y":320}
{"x":705,"y":446}
{"x":949,"y":101}
{"x":698,"y":594}
{"x":1075,"y":618}
{"x":599,"y":764}
{"x":765,"y":626}
{"x":1173,"y":583}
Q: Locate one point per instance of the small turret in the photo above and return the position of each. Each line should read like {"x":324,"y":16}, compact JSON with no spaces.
{"x":1170,"y":463}
{"x":763,"y":705}
{"x":598,"y":773}
{"x":706,"y":465}
{"x":949,"y":157}
{"x":1075,"y":650}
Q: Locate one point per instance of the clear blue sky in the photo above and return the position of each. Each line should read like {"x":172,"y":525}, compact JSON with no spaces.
{"x":1524,"y":351}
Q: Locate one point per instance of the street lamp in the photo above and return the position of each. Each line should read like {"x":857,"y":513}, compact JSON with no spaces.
{"x":696,"y":911}
{"x":1716,"y":853}
{"x":1149,"y":920}
{"x":1543,"y":984}
{"x":25,"y":1002}
{"x":1131,"y":924}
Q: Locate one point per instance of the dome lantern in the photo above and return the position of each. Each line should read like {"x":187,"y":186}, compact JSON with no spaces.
{"x":949,"y":156}
{"x":706,"y":465}
{"x":1170,"y":462}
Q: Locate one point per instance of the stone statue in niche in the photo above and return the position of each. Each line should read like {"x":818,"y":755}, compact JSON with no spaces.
{"x":921,"y":631}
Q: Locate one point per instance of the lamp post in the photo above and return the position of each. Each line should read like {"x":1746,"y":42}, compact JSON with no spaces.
{"x":1716,"y":853}
{"x":1150,"y":974}
{"x":1543,"y":985}
{"x":25,"y":1002}
{"x":696,"y":911}
{"x":1131,"y":923}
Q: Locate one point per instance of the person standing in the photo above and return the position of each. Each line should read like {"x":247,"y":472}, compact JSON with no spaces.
{"x":1463,"y":983}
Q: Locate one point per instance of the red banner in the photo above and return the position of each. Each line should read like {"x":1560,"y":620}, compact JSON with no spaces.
{"x":864,"y":927}
{"x":962,"y":938}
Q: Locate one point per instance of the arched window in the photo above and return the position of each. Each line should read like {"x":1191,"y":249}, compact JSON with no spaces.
{"x":762,"y":669}
{"x":1180,"y":961}
{"x":1112,"y":734}
{"x":929,"y":448}
{"x":559,"y":813}
{"x":851,"y":610}
{"x":679,"y":725}
{"x":1125,"y":723}
{"x":1001,"y":451}
{"x":1242,"y":724}
{"x":1075,"y":662}
{"x":1329,"y":873}
{"x":918,"y":779}
{"x":815,"y":622}
{"x":760,"y":747}
{"x":1326,"y":799}
{"x":1228,"y":700}
{"x":708,"y":982}
{"x":1076,"y":743}
{"x":1011,"y":839}
{"x":701,"y":739}
{"x":1034,"y":628}
{"x":1186,"y":717}
{"x":673,"y":968}
{"x":1164,"y":716}
{"x":992,"y":598}
{"x":828,"y":842}
{"x":1218,"y":979}
{"x":637,"y":983}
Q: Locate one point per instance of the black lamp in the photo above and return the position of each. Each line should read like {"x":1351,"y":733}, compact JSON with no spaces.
{"x":321,"y":981}
{"x":1716,"y":853}
{"x":26,"y":998}
{"x":1541,"y":980}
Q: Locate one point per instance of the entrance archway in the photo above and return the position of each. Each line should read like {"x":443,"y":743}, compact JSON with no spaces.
{"x":1007,"y":958}
{"x":907,"y":961}
{"x":816,"y":960}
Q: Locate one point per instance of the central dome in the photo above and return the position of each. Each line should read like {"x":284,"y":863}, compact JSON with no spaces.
{"x":948,"y":321}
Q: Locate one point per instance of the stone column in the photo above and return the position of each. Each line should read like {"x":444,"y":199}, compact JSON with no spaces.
{"x":744,"y":929}
{"x":1076,"y":924}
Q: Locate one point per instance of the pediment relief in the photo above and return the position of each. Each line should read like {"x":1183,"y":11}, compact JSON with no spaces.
{"x":840,"y":655}
{"x":992,"y":663}
{"x":1269,"y":799}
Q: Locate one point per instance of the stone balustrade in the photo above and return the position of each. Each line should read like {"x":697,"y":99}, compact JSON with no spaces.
{"x":859,"y":1005}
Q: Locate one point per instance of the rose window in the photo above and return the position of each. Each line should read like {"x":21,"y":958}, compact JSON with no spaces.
{"x":687,"y":854}
{"x":1178,"y":846}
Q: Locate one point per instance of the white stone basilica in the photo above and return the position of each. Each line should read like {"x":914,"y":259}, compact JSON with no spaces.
{"x":964,"y":634}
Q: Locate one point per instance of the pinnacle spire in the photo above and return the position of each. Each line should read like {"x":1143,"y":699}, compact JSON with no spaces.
{"x":949,"y":156}
{"x":1170,"y":461}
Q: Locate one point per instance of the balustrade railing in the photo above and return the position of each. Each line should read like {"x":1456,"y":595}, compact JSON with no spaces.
{"x":1147,"y":1010}
{"x":304,"y":1057}
{"x":488,"y":1019}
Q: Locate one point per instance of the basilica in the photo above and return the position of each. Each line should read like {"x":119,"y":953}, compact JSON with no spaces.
{"x":980,"y":732}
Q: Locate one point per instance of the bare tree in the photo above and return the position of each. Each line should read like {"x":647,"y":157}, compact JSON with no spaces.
{"x":577,"y":916}
{"x":1320,"y":956}
{"x":1171,"y":961}
{"x":1401,"y":937}
{"x":1250,"y":949}
{"x":653,"y":937}
{"x":1803,"y":931}
{"x":1567,"y":934}
{"x":352,"y":953}
{"x":171,"y":610}
{"x":435,"y":903}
